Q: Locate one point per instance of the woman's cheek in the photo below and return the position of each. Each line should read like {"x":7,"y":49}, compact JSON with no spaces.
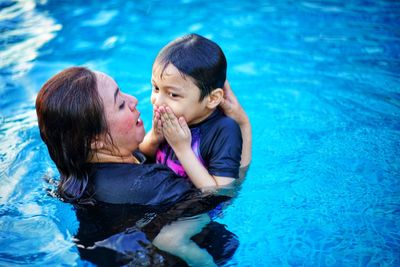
{"x":125,"y":125}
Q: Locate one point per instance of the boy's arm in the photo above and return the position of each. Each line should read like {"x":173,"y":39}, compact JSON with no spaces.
{"x":232,"y":108}
{"x":153,"y":138}
{"x":197,"y":173}
{"x":179,"y":137}
{"x":149,"y":145}
{"x":175,"y":238}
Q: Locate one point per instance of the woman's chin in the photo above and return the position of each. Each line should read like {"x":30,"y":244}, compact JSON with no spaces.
{"x":140,"y":136}
{"x":140,"y":141}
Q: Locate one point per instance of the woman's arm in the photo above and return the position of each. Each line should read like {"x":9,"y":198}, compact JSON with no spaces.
{"x":232,"y":108}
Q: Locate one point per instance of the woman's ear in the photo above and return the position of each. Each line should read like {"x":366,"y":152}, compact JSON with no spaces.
{"x":214,"y":98}
{"x":96,"y":144}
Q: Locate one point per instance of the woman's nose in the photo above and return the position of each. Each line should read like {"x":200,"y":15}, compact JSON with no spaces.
{"x":132,"y":103}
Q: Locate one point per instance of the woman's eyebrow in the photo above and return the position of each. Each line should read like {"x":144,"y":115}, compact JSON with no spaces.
{"x":115,"y":95}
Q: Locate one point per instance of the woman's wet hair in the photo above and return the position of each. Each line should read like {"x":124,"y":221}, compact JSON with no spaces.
{"x":70,"y":116}
{"x":197,"y":57}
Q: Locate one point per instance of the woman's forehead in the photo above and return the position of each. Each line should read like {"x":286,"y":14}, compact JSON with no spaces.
{"x":106,"y":87}
{"x":102,"y":77}
{"x":104,"y":81}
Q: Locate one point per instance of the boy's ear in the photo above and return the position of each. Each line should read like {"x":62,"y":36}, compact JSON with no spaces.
{"x":214,"y":98}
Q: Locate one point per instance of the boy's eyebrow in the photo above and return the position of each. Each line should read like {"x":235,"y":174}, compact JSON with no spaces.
{"x":173,"y":87}
{"x":168,"y":86}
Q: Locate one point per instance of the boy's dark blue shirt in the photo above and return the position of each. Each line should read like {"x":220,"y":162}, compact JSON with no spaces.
{"x":216,"y":142}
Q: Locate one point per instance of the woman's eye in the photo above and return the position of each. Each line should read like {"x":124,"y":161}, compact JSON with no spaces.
{"x":122,"y":105}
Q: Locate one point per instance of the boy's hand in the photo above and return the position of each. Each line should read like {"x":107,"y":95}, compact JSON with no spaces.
{"x":176,"y":131}
{"x":156,"y":131}
{"x":231,"y":106}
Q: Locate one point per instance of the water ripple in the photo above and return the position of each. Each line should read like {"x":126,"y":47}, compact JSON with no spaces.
{"x":28,"y":31}
{"x":319,"y":80}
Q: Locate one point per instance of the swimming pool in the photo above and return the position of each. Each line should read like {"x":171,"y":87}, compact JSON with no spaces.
{"x":320,"y":81}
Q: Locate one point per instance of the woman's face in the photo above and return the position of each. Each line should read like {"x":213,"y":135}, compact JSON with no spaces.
{"x":125,"y":126}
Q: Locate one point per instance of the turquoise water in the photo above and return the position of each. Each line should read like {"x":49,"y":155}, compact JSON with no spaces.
{"x":319,"y":79}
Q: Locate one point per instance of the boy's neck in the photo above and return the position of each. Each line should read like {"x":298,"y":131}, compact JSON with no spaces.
{"x":203,"y":117}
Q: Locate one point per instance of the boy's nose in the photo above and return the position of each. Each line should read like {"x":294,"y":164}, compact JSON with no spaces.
{"x":158,"y":100}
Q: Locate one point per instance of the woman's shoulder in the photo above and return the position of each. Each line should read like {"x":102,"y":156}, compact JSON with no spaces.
{"x":135,"y":183}
{"x":101,"y":172}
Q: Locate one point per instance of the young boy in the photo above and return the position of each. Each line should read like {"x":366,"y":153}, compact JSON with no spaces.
{"x":188,"y":76}
{"x":189,"y":82}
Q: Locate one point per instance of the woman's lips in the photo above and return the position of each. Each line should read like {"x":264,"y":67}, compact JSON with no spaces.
{"x":139,"y":122}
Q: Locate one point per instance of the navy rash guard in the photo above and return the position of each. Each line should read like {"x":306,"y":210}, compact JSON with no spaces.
{"x":216,"y":142}
{"x":141,"y":184}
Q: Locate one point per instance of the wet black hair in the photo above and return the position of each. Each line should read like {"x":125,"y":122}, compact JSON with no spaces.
{"x":70,"y":115}
{"x":198,"y":58}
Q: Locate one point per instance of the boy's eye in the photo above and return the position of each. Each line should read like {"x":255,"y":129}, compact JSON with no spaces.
{"x":122,"y":105}
{"x":155,"y":88}
{"x":173,"y":95}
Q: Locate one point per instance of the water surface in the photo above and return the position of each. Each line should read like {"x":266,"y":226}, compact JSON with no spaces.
{"x":319,"y":79}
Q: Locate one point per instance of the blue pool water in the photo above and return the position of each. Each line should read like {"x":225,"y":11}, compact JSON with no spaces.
{"x":320,"y":81}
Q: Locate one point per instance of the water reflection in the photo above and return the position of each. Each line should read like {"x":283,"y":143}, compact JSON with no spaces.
{"x":25,"y":32}
{"x":114,"y":235}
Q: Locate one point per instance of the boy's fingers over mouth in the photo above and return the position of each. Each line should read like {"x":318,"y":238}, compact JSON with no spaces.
{"x":158,"y":125}
{"x":166,"y":121}
{"x":164,"y":118}
{"x":172,"y":116}
{"x":169,"y":111}
{"x":183,"y":124}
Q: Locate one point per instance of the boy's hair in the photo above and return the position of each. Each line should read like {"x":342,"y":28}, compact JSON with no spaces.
{"x":197,"y":57}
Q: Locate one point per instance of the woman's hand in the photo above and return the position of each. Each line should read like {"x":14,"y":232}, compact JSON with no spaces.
{"x":231,"y":106}
{"x":176,"y":131}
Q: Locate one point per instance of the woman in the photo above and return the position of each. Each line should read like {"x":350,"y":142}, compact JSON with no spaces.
{"x":92,"y":131}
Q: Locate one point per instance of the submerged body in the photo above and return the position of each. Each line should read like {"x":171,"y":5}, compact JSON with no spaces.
{"x":116,"y":235}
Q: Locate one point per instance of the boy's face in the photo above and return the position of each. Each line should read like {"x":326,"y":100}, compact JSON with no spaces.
{"x":179,"y":93}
